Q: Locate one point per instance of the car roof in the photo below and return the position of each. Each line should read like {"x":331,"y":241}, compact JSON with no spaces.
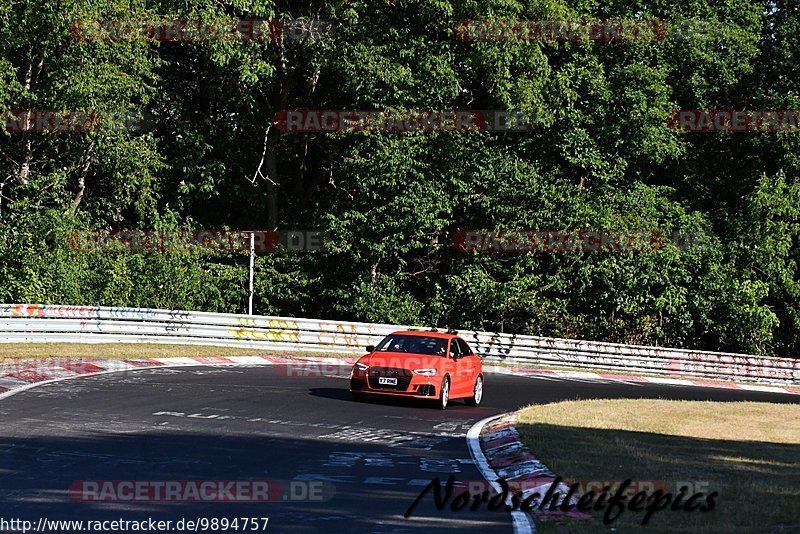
{"x":424,"y":333}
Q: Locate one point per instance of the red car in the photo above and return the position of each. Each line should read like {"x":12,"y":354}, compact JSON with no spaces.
{"x":422,"y":365}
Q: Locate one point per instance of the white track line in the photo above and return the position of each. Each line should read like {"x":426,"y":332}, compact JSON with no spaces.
{"x":522,"y":524}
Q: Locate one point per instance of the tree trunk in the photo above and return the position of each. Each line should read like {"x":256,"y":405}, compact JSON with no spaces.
{"x":87,"y":161}
{"x":25,"y":166}
{"x":32,"y":73}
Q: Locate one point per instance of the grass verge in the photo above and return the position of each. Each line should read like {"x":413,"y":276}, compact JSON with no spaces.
{"x":748,"y":452}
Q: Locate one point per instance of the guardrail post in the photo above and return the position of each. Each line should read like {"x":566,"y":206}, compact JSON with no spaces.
{"x":252,"y":269}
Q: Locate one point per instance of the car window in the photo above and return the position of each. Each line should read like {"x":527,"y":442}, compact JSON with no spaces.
{"x":463,"y":347}
{"x":454,"y":348}
{"x":432,"y":346}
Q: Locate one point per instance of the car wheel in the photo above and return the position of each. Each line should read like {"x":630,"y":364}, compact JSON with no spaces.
{"x":477,"y":393}
{"x":444,"y":393}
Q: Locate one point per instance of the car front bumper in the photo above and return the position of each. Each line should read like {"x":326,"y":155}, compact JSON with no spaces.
{"x":418,"y":387}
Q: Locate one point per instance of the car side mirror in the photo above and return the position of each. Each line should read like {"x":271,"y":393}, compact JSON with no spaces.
{"x":370,"y":348}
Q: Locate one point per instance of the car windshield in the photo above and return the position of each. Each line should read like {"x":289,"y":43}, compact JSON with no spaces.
{"x":433,"y":346}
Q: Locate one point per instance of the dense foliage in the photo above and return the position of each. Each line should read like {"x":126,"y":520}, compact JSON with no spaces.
{"x":601,"y":156}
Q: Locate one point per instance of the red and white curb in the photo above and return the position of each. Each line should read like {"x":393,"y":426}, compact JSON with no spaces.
{"x":498,"y":452}
{"x":17,"y":375}
{"x":613,"y":377}
{"x":521,"y":522}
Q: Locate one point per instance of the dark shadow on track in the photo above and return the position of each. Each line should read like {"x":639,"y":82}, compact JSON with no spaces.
{"x":39,"y":472}
{"x":339,"y":394}
{"x":385,"y":400}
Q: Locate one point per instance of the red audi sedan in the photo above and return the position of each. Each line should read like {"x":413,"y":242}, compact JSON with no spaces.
{"x":420,"y":364}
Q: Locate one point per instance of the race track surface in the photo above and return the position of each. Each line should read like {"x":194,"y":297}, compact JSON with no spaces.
{"x":252,"y":423}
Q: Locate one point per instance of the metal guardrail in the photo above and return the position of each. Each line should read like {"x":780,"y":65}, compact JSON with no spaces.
{"x":30,"y":323}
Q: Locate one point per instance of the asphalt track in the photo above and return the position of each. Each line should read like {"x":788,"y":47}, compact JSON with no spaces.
{"x":252,"y":423}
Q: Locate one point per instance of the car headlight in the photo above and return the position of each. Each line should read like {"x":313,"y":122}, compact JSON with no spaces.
{"x":361,"y":367}
{"x":425,"y":372}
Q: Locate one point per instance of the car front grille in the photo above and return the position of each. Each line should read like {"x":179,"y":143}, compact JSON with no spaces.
{"x":403,"y":377}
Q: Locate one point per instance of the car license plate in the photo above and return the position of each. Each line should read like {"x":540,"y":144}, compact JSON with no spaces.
{"x":385,"y":381}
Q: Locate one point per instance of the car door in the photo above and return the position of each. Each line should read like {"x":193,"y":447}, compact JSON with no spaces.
{"x":469,"y":367}
{"x":453,"y":368}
